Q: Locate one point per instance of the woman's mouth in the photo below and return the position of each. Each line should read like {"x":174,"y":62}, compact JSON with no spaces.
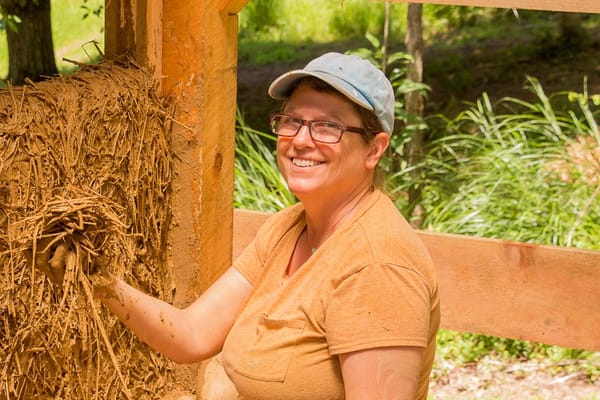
{"x":302,"y":162}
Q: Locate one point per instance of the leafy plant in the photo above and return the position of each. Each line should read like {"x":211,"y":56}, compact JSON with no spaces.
{"x":8,"y":21}
{"x":516,"y":175}
{"x":406,"y":125}
{"x":258,"y":185}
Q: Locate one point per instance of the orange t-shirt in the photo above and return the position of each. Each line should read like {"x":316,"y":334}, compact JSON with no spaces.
{"x":370,"y":284}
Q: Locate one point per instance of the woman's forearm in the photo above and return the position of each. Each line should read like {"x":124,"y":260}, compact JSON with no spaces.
{"x":185,"y":335}
{"x":159,"y":324}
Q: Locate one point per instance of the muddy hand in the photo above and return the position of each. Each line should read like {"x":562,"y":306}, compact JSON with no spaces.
{"x":50,"y":258}
{"x":102,"y":279}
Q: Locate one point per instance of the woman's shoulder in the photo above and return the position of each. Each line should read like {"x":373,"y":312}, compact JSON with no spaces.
{"x":388,"y":238}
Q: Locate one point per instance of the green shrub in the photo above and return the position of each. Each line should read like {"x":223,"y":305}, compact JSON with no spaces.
{"x":528,"y":175}
{"x":258,"y":185}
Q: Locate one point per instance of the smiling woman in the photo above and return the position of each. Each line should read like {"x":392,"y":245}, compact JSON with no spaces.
{"x":313,"y":314}
{"x":325,"y":288}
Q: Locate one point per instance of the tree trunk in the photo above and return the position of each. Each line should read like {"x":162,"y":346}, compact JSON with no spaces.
{"x":386,"y":37}
{"x":414,"y":108}
{"x":30,"y":49}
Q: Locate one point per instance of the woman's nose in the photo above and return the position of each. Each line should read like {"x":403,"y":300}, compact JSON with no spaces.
{"x":303,"y":137}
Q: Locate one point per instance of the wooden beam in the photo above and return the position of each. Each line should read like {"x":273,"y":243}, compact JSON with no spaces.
{"x":518,"y":290}
{"x":134,"y":28}
{"x":501,"y":288}
{"x":199,"y":70}
{"x":581,"y":6}
{"x":232,"y":6}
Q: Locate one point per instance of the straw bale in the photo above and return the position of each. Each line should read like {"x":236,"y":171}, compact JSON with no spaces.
{"x":85,"y":178}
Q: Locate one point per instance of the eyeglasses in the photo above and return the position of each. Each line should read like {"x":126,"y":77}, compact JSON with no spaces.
{"x":320,"y":131}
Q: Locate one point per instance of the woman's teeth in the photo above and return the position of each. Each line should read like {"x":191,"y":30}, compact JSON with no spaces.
{"x":304,"y":163}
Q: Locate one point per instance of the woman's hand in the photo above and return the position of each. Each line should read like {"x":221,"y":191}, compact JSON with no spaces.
{"x":186,"y":335}
{"x":381,"y":373}
{"x":51,"y":256}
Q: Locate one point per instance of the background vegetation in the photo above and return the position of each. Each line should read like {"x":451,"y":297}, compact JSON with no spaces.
{"x":514,"y":168}
{"x":75,"y":29}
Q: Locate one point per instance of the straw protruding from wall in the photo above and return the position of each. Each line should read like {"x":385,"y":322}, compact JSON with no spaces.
{"x":86,"y":173}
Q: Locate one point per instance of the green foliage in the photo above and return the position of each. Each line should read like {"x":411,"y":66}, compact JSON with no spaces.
{"x":317,"y":21}
{"x":357,"y":17}
{"x":258,"y":185}
{"x":77,"y":27}
{"x":523,"y":175}
{"x":92,"y":9}
{"x":259,"y":17}
{"x":8,"y":21}
{"x":406,"y":124}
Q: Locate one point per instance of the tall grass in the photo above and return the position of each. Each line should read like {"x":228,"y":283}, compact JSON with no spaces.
{"x":258,"y":185}
{"x":529,"y":174}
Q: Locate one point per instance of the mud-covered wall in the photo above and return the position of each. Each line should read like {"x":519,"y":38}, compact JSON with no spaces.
{"x":86,"y":170}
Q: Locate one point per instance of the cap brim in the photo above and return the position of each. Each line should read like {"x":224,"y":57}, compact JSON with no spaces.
{"x":280,"y":88}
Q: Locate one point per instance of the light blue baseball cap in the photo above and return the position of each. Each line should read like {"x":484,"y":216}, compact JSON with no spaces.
{"x":354,"y":77}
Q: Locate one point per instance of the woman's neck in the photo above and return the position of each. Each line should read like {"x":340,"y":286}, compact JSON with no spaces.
{"x":324,"y":217}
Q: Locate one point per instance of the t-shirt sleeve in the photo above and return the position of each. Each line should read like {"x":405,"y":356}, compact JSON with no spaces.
{"x":379,"y":305}
{"x":249,"y":263}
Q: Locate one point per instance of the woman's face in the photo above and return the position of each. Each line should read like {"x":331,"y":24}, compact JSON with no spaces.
{"x":326,"y":170}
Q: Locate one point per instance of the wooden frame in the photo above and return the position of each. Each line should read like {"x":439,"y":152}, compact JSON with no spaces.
{"x":494,"y":287}
{"x":582,"y":6}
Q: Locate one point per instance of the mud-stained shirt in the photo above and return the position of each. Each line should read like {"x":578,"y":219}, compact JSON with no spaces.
{"x":370,"y":284}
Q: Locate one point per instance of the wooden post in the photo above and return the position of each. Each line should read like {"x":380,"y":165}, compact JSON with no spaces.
{"x":200,"y":75}
{"x":134,"y":28}
{"x":192,"y":47}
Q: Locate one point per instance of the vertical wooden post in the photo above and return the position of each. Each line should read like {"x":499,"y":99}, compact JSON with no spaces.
{"x":192,"y":48}
{"x":199,"y":66}
{"x":134,"y":27}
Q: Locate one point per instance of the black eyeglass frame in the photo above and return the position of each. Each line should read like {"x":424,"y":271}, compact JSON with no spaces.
{"x":308,"y":122}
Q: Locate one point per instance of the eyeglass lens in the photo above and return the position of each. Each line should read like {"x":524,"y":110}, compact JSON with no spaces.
{"x":322,"y":131}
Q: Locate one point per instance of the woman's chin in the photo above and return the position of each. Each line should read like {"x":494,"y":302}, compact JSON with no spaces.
{"x":302,"y":189}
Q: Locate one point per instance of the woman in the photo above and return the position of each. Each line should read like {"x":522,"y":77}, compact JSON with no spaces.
{"x":336,"y":298}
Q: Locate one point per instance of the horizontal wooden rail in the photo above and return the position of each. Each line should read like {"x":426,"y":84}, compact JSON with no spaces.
{"x":582,"y":6}
{"x":502,"y":288}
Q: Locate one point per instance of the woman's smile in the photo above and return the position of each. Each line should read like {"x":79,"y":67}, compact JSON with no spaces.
{"x":304,"y":162}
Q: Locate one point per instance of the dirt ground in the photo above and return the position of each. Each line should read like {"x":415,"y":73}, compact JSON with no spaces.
{"x":492,"y":379}
{"x":462,"y":75}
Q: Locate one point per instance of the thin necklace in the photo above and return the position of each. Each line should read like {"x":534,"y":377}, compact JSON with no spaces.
{"x":313,"y":249}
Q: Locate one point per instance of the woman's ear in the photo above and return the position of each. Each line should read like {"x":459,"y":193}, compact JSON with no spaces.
{"x":378,"y":146}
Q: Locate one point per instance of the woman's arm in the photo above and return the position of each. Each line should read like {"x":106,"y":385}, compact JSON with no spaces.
{"x":186,"y":335}
{"x":381,"y":373}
